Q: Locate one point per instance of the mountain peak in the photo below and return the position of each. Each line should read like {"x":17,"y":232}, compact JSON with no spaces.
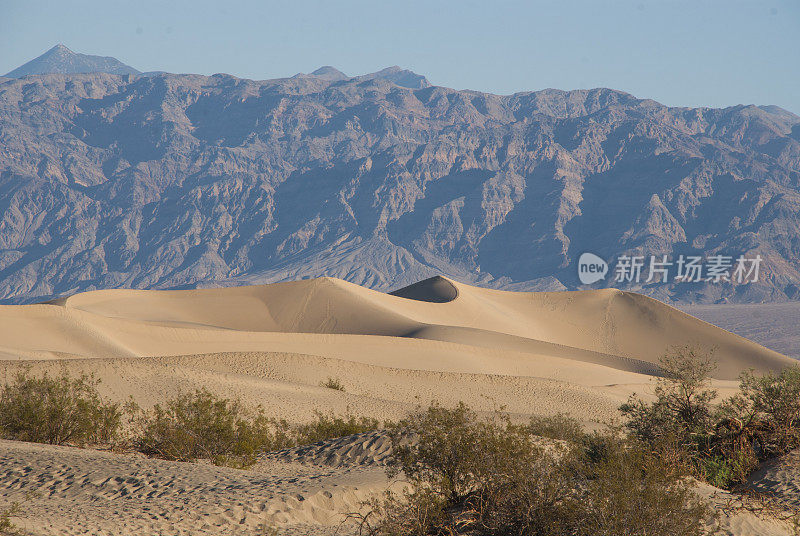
{"x":395,"y":74}
{"x":61,"y":59}
{"x":398,"y":75}
{"x":391,"y":70}
{"x":330,"y":73}
{"x":60,"y":48}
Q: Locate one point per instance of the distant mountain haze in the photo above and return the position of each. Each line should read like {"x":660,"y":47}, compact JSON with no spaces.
{"x":398,"y":75}
{"x":330,"y":73}
{"x":60,"y":59}
{"x":185,"y":180}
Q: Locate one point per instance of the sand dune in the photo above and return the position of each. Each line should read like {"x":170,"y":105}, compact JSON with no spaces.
{"x":581,"y":353}
{"x":618,"y":329}
{"x":535,"y":353}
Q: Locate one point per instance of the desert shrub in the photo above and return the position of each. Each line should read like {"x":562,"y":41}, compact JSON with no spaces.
{"x":267,"y":529}
{"x":761,"y":422}
{"x":477,"y":476}
{"x":57,"y":410}
{"x":629,"y":490}
{"x":719,"y":443}
{"x":557,"y":426}
{"x":472,"y":476}
{"x":330,"y":426}
{"x":203,"y":425}
{"x":770,"y":407}
{"x":683,"y":408}
{"x":682,"y":424}
{"x":7,"y":527}
{"x":333,"y":383}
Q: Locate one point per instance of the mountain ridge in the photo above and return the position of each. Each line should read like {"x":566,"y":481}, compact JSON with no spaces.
{"x":62,"y":60}
{"x":188,"y":180}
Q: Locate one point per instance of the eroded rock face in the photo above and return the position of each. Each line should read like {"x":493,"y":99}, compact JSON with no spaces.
{"x":185,"y":180}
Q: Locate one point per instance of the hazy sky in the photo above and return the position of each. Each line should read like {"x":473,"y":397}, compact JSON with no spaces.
{"x":681,"y":53}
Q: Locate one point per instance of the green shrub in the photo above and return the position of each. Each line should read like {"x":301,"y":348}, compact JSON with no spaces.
{"x":203,"y":425}
{"x":771,"y":408}
{"x":57,"y":410}
{"x":559,"y":426}
{"x":718,"y":471}
{"x":682,"y":410}
{"x":719,"y":443}
{"x":7,"y":527}
{"x":472,"y":476}
{"x":628,"y":490}
{"x":491,"y":477}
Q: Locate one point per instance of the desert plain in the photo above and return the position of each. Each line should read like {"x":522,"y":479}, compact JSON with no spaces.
{"x":581,"y":353}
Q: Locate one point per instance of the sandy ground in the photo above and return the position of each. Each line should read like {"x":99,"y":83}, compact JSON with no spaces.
{"x":307,"y":490}
{"x":68,"y":491}
{"x":580,"y":353}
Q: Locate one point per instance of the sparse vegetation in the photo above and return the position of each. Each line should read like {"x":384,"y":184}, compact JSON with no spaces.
{"x":202,"y":425}
{"x":66,"y":410}
{"x":267,"y":529}
{"x":57,"y":410}
{"x":330,"y":426}
{"x":333,"y":383}
{"x":719,"y":443}
{"x":473,"y":476}
{"x":7,"y":527}
{"x":559,"y":426}
{"x":768,"y":409}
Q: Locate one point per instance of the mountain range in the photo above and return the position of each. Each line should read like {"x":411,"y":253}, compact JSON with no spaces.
{"x":164,"y":181}
{"x":62,"y":60}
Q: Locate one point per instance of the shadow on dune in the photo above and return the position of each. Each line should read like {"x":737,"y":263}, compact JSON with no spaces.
{"x":436,"y":289}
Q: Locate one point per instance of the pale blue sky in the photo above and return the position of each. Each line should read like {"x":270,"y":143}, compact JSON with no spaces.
{"x":681,"y":53}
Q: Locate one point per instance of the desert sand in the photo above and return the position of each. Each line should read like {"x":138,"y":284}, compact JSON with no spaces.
{"x":581,"y":353}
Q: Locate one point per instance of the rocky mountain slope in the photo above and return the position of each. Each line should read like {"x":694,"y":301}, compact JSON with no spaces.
{"x":60,"y":59}
{"x":187,"y":180}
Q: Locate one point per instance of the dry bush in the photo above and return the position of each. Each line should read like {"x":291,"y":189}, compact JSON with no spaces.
{"x":57,"y":410}
{"x":203,"y":425}
{"x":764,"y":505}
{"x":682,"y":410}
{"x":491,"y":477}
{"x":680,"y":424}
{"x":330,"y":426}
{"x":333,"y":383}
{"x":629,"y":490}
{"x":559,"y":426}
